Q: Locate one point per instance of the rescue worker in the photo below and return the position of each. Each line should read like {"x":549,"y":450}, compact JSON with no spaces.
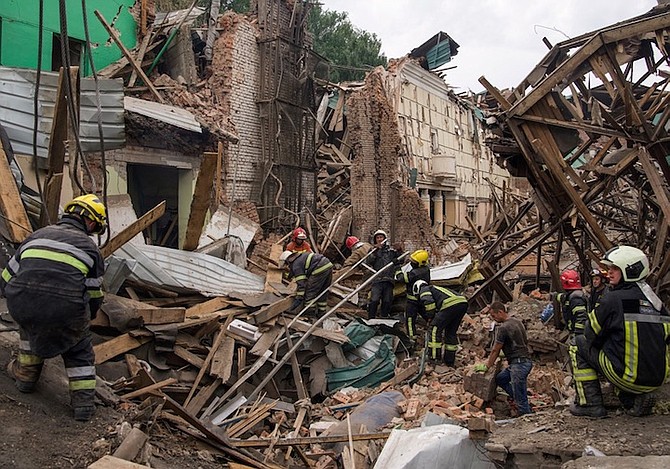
{"x":298,"y":241}
{"x":359,"y":250}
{"x":447,"y":310}
{"x":420,"y":270}
{"x":53,"y":289}
{"x":313,"y":274}
{"x":626,"y":339}
{"x":598,"y":285}
{"x":511,"y":338}
{"x":574,"y":307}
{"x":381,"y":290}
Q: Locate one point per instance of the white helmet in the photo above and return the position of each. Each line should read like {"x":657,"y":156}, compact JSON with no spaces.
{"x":416,"y":288}
{"x":284,"y":257}
{"x":633,"y":262}
{"x":380,"y":232}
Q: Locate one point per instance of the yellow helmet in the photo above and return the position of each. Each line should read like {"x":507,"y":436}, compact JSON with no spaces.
{"x":420,"y":257}
{"x":89,"y":206}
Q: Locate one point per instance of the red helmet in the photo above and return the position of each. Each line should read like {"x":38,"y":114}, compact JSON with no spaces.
{"x":351,"y":241}
{"x":299,"y":233}
{"x":570,"y":280}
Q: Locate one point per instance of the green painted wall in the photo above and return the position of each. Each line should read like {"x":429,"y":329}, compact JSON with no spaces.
{"x":19,"y":20}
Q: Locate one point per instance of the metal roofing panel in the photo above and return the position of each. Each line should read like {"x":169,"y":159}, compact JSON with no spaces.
{"x":17,"y":92}
{"x":162,"y":112}
{"x":206,"y":274}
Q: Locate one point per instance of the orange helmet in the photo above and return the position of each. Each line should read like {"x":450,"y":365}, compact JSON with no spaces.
{"x":351,"y":241}
{"x":299,"y":233}
{"x":570,"y":280}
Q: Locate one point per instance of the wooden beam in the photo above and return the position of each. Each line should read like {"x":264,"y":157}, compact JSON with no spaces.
{"x":117,"y":346}
{"x":661,"y":192}
{"x":308,"y":440}
{"x":200,"y":203}
{"x":208,"y":360}
{"x":11,"y":205}
{"x":111,"y":462}
{"x":273,"y":310}
{"x":149,"y":389}
{"x":143,"y":48}
{"x":151,"y":315}
{"x":131,"y":60}
{"x":495,"y":92}
{"x":207,"y":307}
{"x":55,"y":156}
{"x":131,"y":230}
{"x":219,"y":169}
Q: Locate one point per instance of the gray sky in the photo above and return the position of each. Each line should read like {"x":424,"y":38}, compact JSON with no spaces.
{"x":500,"y":39}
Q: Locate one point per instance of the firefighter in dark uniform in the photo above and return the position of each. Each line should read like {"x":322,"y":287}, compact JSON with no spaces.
{"x":447,"y":310}
{"x":419,"y":271}
{"x":626,"y":339}
{"x":598,"y":286}
{"x":574,"y":307}
{"x":313,"y":274}
{"x":381,"y":291}
{"x":53,"y":289}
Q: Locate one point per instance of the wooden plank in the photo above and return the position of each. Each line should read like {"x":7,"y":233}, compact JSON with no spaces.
{"x":301,"y":326}
{"x":131,"y":445}
{"x":117,"y":346}
{"x":143,"y":48}
{"x":204,"y":395}
{"x":202,"y":195}
{"x":222,"y":363}
{"x":266,"y":341}
{"x":273,"y":273}
{"x":208,"y":359}
{"x":270,"y":312}
{"x":308,"y":440}
{"x":207,"y":307}
{"x":188,"y":357}
{"x":149,"y":389}
{"x":56,"y":155}
{"x":161,"y":315}
{"x":131,"y":60}
{"x":111,"y":462}
{"x":11,"y":205}
{"x":218,"y":186}
{"x":661,"y":192}
{"x":131,"y":230}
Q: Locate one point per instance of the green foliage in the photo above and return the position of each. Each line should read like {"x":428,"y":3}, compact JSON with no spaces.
{"x":351,"y":50}
{"x":240,"y":6}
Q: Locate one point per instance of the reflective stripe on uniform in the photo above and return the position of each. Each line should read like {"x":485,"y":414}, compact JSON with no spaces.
{"x":451,"y":347}
{"x":412,"y":297}
{"x":80,"y":371}
{"x":56,"y":257}
{"x":82,"y":384}
{"x":93,"y":282}
{"x":593,"y":320}
{"x":321,"y":269}
{"x":95,"y":294}
{"x":6,"y":276}
{"x":430,"y":307}
{"x":410,"y":327}
{"x":27,"y":359}
{"x":610,"y":374}
{"x":631,"y":347}
{"x":579,"y":387}
{"x":651,"y":318}
{"x":60,"y":246}
{"x":300,"y":277}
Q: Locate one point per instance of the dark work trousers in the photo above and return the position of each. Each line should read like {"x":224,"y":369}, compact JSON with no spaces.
{"x":585,"y":368}
{"x":514,"y":380}
{"x":444,"y":331}
{"x":380,"y":291}
{"x":313,"y":288}
{"x":413,"y":309}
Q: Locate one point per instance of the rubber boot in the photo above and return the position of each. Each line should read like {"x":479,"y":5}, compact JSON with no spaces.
{"x":25,"y":376}
{"x":449,"y":357}
{"x":84,"y":413}
{"x":82,"y":404}
{"x":643,"y":404}
{"x":594,"y":402}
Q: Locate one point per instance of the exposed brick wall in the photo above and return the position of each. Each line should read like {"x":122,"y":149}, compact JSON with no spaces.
{"x":235,"y":87}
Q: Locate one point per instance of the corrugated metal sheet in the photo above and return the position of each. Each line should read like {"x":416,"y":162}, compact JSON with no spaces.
{"x":208,"y":275}
{"x":163,"y":112}
{"x":17,"y":91}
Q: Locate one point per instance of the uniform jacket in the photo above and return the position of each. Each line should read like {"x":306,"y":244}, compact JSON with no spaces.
{"x":307,"y":265}
{"x":409,"y":278}
{"x":53,"y":285}
{"x":359,"y":251}
{"x":436,"y":299}
{"x":574,"y":309}
{"x":632,"y":338}
{"x":293,"y":247}
{"x":379,"y":259}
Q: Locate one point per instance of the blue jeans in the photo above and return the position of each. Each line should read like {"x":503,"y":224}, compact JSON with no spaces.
{"x":513,"y":380}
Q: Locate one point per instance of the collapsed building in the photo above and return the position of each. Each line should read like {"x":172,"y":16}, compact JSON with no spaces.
{"x":237,"y":134}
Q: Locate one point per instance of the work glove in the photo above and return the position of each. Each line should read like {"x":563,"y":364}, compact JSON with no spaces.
{"x":481,"y":368}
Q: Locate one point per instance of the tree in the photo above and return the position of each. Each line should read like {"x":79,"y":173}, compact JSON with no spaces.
{"x":350,"y":50}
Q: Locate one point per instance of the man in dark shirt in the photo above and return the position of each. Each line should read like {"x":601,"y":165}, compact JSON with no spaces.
{"x":510,"y":337}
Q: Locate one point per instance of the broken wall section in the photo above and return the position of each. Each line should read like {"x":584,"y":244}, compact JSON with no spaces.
{"x":235,"y":85}
{"x":375,"y":166}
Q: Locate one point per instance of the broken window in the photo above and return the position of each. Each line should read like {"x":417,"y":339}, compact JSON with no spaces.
{"x":75,"y":48}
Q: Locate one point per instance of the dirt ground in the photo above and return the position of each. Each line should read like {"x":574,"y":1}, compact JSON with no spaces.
{"x":38,"y":430}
